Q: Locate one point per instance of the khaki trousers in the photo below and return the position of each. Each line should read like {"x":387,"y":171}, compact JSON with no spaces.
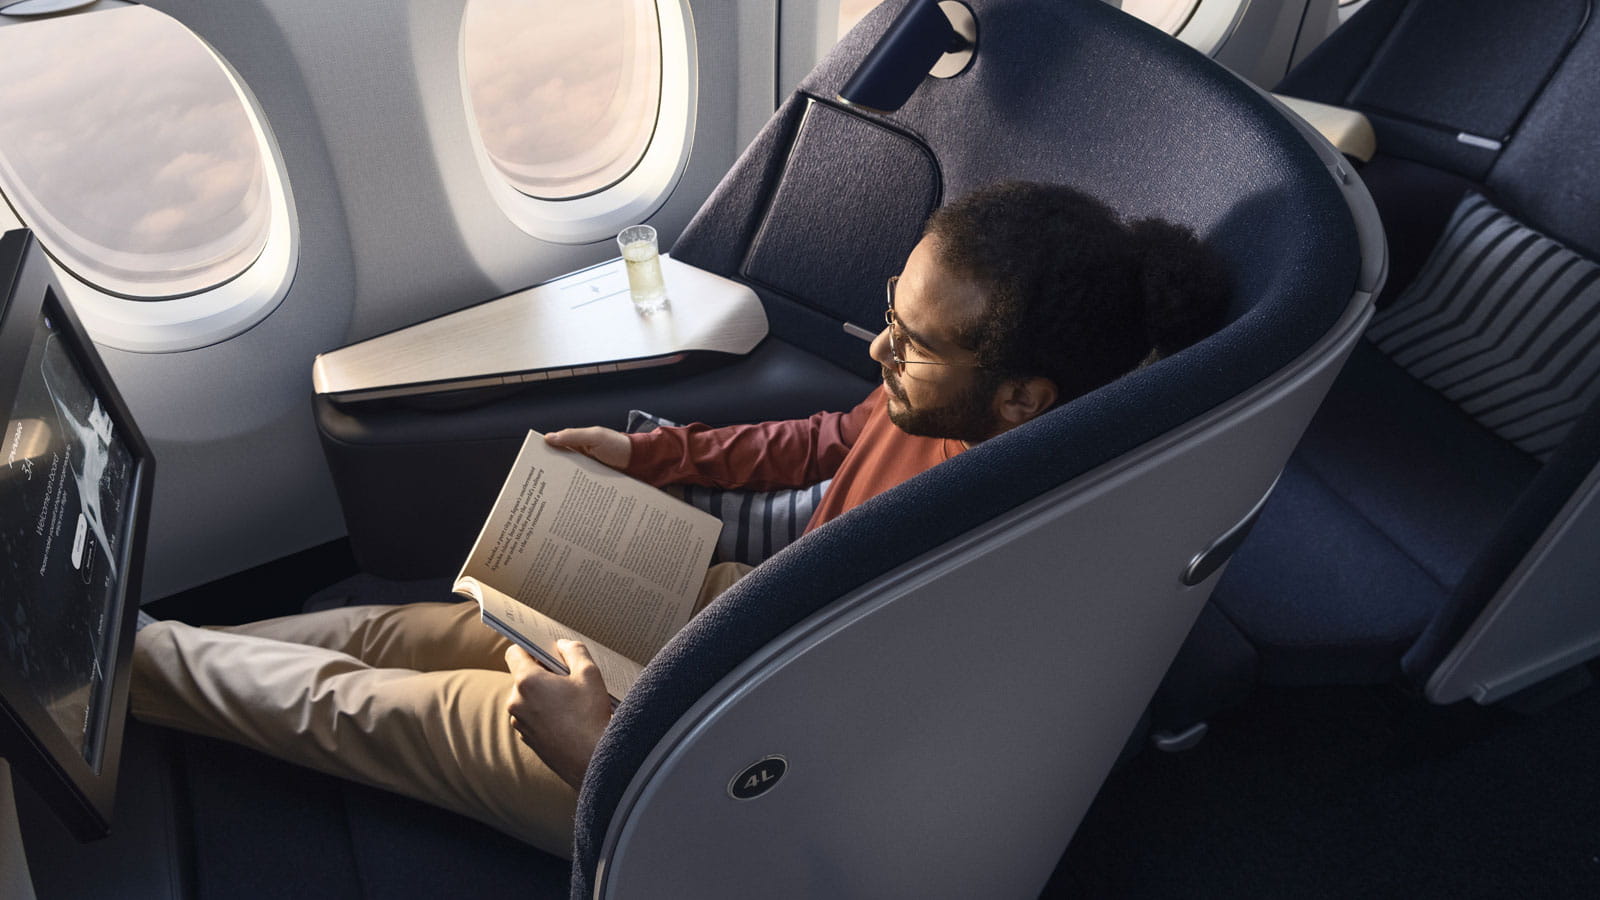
{"x":410,"y":698}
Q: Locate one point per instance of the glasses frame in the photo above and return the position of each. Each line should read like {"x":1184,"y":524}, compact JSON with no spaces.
{"x":898,"y":343}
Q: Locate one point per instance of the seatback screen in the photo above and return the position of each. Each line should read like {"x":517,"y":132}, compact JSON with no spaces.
{"x":66,"y":478}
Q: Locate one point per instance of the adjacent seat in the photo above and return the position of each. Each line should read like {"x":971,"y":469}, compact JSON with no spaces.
{"x":1437,"y":524}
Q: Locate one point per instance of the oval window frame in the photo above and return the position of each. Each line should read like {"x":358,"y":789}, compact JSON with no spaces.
{"x":1180,"y":23}
{"x":1211,"y":23}
{"x":169,"y":324}
{"x":645,"y":188}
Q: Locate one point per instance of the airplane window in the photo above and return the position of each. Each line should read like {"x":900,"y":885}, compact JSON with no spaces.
{"x":581,"y":115}
{"x":129,"y":150}
{"x":566,"y":96}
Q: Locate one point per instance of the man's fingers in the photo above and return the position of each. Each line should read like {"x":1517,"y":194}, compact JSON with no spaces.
{"x":571,"y":438}
{"x":517,"y":660}
{"x":582,"y":666}
{"x":521,"y":663}
{"x":524,"y":665}
{"x":577,"y":658}
{"x":604,"y":444}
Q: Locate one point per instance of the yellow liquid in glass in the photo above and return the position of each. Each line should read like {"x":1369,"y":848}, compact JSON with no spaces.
{"x":645,"y":285}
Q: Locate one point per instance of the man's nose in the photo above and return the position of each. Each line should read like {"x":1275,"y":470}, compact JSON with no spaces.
{"x":879,"y":348}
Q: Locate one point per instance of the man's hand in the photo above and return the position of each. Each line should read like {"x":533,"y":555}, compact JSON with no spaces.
{"x":604,"y":444}
{"x":560,"y":716}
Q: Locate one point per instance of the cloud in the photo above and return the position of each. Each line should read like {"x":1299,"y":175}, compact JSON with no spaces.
{"x":565,"y":96}
{"x":126,"y":130}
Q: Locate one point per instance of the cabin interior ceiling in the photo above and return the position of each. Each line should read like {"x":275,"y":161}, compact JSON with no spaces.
{"x":395,"y":225}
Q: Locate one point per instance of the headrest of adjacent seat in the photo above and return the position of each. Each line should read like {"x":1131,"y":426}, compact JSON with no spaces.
{"x":1445,"y":82}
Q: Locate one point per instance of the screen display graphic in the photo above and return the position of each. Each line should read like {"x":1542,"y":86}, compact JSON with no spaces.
{"x":66,"y":478}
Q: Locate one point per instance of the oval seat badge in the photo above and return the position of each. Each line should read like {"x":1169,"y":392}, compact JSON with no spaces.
{"x":758,"y":778}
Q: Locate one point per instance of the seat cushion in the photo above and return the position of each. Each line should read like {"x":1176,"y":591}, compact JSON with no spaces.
{"x":1369,"y":528}
{"x":755,"y":524}
{"x":1505,"y":322}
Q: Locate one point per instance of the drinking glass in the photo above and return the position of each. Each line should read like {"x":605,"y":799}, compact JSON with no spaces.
{"x":643,"y":262}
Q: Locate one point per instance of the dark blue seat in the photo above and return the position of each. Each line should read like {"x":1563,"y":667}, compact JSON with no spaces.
{"x":1055,"y":553}
{"x":1368,"y":530}
{"x":1432,"y":526}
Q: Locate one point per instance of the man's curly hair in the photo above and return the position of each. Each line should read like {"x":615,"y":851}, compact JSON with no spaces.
{"x":1075,"y":294}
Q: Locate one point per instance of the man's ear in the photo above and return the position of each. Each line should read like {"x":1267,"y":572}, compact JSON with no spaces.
{"x":1022,"y":399}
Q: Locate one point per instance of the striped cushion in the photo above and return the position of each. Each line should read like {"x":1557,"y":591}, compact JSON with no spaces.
{"x":756,"y":524}
{"x":1503,"y":321}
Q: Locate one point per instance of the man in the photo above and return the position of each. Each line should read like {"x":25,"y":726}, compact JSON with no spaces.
{"x":1018,"y":297}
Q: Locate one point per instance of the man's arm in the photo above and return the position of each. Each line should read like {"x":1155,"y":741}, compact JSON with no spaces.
{"x":764,"y":456}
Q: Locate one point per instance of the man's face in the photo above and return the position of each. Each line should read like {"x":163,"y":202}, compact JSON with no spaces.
{"x":939,"y":393}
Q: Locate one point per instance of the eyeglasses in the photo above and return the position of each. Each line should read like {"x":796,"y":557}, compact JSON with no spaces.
{"x":898,"y":343}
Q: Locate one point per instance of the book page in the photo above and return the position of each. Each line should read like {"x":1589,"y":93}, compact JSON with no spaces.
{"x":595,"y":550}
{"x":538,"y":634}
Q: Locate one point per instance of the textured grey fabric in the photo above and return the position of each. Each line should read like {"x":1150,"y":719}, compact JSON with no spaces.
{"x":1469,"y":65}
{"x":721,"y":231}
{"x":1547,"y":173}
{"x":755,"y":524}
{"x":1505,"y":322}
{"x":849,"y":207}
{"x":1369,"y":529}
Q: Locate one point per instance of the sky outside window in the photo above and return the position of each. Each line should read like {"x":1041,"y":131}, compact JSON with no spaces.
{"x":126,"y":147}
{"x":565,"y":95}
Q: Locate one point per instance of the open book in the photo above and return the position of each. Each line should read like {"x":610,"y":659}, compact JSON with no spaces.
{"x":574,"y":549}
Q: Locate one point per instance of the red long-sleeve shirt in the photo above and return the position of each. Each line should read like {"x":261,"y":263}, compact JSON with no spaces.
{"x":861,"y":450}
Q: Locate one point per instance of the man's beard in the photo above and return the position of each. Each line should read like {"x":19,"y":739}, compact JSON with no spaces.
{"x":967,"y":417}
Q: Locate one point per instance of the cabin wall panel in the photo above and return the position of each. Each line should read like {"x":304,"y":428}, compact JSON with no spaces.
{"x":395,"y":225}
{"x":240,"y":478}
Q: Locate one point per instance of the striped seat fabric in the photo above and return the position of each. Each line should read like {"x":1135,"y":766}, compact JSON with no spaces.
{"x":755,"y":524}
{"x":1503,"y":321}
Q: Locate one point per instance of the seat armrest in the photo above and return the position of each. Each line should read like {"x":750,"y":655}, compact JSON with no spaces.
{"x":1346,"y":129}
{"x":579,"y":324}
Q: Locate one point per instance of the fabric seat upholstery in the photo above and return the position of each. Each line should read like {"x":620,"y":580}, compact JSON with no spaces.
{"x":1369,"y":529}
{"x":1401,"y":515}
